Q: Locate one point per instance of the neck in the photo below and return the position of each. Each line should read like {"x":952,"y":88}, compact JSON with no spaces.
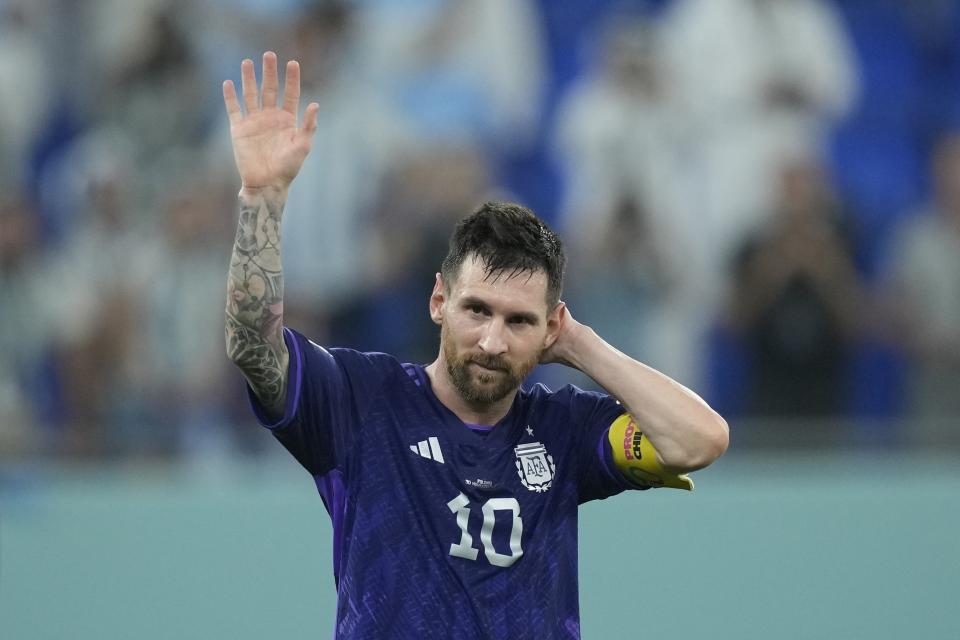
{"x":447,"y":394}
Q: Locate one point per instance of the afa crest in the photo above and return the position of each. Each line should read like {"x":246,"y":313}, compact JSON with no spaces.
{"x":535,"y":466}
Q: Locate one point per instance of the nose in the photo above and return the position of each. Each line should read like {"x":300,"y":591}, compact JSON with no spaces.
{"x":493,"y":341}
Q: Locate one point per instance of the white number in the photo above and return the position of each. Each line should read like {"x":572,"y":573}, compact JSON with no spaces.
{"x":486,"y":533}
{"x":464,"y":549}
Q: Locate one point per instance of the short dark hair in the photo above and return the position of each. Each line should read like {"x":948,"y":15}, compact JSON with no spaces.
{"x":508,"y":238}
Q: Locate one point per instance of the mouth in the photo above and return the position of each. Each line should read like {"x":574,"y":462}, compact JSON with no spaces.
{"x":486,"y":369}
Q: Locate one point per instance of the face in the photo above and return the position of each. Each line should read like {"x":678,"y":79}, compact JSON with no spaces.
{"x":493,"y":329}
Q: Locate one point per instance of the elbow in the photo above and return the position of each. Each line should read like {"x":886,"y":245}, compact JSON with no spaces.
{"x":720,"y":437}
{"x":716,"y":439}
{"x":713,"y":438}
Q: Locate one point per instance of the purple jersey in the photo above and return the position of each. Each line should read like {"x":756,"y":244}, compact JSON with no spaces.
{"x":440,"y":530}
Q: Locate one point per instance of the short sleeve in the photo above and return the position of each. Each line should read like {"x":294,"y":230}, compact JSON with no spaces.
{"x":597,"y":477}
{"x":328,"y":393}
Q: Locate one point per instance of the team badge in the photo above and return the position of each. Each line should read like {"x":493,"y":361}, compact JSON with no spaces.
{"x":535,"y":466}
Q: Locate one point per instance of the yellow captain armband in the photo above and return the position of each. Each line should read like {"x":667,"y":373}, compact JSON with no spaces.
{"x":635,"y":456}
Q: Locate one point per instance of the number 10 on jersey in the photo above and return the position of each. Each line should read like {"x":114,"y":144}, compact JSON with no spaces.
{"x":460,"y":506}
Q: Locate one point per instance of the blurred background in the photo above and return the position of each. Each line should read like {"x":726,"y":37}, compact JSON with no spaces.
{"x":760,"y":198}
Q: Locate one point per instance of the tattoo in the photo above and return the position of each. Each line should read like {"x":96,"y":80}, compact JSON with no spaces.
{"x":254,"y":314}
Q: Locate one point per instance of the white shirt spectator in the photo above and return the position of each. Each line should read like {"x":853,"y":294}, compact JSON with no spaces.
{"x":758,"y":81}
{"x":624,"y":150}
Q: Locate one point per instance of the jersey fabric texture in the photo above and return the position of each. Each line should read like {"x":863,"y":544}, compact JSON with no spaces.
{"x":439,"y":530}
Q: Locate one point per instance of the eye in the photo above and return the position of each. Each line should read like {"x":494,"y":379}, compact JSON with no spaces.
{"x":521,"y":320}
{"x":475,"y":309}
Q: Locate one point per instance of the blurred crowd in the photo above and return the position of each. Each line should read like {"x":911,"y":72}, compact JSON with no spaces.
{"x":759,"y":197}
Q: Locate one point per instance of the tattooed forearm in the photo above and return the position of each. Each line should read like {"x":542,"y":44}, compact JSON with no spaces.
{"x":254,"y":315}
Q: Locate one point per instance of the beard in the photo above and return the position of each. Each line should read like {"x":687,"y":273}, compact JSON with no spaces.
{"x":479,"y":388}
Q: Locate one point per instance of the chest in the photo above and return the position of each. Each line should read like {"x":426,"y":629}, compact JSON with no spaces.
{"x":472,"y":497}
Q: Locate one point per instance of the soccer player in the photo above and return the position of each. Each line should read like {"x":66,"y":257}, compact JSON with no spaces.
{"x":453,"y":493}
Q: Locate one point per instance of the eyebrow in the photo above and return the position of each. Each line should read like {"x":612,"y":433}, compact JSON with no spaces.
{"x":526,"y":316}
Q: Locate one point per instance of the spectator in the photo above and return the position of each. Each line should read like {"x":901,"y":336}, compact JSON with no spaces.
{"x":756,"y":80}
{"x":627,"y":209}
{"x":149,"y":77}
{"x":23,"y":65}
{"x":796,"y":298}
{"x":186,"y":381}
{"x":327,"y":229}
{"x":460,"y":71}
{"x":28,"y":332}
{"x":100,"y":292}
{"x":423,"y":195}
{"x":923,"y":296}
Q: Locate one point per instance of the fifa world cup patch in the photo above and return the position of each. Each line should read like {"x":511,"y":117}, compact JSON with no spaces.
{"x":535,"y":466}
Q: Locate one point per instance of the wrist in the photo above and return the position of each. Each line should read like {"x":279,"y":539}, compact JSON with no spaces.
{"x":579,"y":346}
{"x":250,"y":193}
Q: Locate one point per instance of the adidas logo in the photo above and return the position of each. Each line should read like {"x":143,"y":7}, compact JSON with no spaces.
{"x":429,"y":448}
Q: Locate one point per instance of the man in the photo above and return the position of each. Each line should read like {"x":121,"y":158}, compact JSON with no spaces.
{"x":453,"y":494}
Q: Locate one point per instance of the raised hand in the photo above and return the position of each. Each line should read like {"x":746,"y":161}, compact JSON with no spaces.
{"x":268,"y":146}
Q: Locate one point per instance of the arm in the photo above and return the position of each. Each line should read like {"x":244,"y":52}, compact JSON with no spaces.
{"x":254,"y":314}
{"x":269,"y":149}
{"x":687,"y":434}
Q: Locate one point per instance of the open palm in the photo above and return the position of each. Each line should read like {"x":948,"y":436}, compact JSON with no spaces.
{"x":268,"y":146}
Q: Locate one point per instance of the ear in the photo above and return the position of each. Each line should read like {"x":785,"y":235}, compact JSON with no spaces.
{"x":437,"y":300}
{"x":555,"y":322}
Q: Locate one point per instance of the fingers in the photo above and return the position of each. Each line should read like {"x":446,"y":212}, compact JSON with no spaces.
{"x":310,"y":119}
{"x":249,"y":83}
{"x":271,"y":89}
{"x":291,"y":89}
{"x":231,"y":102}
{"x":270,"y":82}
